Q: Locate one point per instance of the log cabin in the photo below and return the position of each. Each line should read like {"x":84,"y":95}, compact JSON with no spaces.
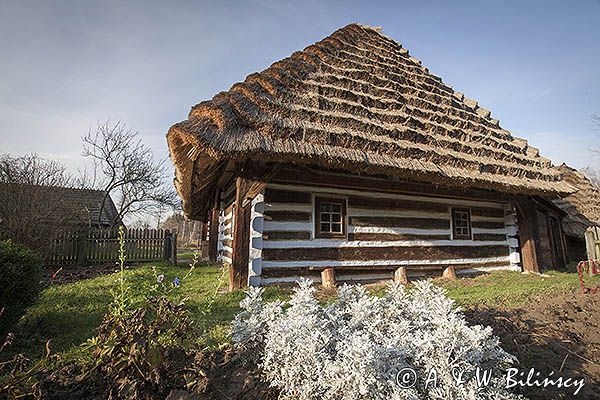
{"x":582,"y":211}
{"x":350,"y":161}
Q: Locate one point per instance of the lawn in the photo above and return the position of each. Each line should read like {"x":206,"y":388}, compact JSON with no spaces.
{"x":68,"y":314}
{"x":510,"y":289}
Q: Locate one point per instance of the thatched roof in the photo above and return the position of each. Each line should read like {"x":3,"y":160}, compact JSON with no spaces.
{"x":583,"y":206}
{"x":355,"y":101}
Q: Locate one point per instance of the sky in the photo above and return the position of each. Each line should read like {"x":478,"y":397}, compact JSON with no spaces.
{"x":65,"y":65}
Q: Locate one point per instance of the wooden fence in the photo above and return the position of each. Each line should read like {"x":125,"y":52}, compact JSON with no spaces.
{"x":102,"y":246}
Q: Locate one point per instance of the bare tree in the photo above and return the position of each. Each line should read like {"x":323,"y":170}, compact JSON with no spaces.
{"x":31,"y":212}
{"x":125,"y":168}
{"x":592,"y":174}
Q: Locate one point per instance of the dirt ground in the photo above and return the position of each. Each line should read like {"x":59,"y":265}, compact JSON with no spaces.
{"x":560,"y":334}
{"x":75,"y":273}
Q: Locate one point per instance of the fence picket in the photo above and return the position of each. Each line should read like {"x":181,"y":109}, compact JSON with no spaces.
{"x":102,"y":246}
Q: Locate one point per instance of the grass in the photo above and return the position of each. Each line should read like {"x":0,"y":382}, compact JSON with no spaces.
{"x":185,"y":255}
{"x":68,"y":314}
{"x":509,"y":289}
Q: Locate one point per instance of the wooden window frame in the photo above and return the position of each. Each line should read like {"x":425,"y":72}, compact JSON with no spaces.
{"x":470,"y":225}
{"x":317,"y":217}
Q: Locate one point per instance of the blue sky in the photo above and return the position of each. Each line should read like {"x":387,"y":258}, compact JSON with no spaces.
{"x":66,"y":65}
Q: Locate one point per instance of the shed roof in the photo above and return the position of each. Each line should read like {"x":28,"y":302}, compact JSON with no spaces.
{"x":74,"y":206}
{"x":357,"y":101}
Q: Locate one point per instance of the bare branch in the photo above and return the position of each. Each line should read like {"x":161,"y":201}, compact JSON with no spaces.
{"x":31,"y":212}
{"x":126,"y":170}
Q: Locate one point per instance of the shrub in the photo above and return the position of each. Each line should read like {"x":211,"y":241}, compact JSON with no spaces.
{"x":141,"y":350}
{"x":20,"y":281}
{"x":356,"y":347}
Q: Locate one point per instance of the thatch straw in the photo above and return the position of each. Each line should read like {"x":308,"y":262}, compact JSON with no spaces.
{"x":357,"y":100}
{"x":583,"y":206}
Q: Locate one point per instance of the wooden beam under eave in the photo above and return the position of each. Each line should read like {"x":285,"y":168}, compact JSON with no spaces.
{"x":527,"y":220}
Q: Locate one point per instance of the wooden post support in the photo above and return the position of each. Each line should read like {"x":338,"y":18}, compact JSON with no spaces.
{"x":82,"y":242}
{"x":328,"y":278}
{"x":238,"y":272}
{"x":213,"y":234}
{"x":449,"y":273}
{"x":528,"y":234}
{"x":166,"y":252}
{"x":174,"y":248}
{"x":401,"y":276}
{"x":202,"y":247}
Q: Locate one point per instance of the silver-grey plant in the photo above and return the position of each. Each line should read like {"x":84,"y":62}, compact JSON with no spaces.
{"x":356,"y":347}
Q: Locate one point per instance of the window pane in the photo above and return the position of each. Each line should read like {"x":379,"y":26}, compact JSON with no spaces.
{"x":330,"y":217}
{"x":461,"y":222}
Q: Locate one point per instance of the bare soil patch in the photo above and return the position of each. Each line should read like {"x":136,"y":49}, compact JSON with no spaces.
{"x":560,"y":333}
{"x":75,"y":273}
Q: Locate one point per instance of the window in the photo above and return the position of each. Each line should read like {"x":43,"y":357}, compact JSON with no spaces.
{"x":330,"y":217}
{"x":461,"y":223}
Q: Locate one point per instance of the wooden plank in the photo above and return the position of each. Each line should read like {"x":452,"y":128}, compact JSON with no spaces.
{"x":286,"y":235}
{"x":285,"y":196}
{"x":487,"y":212}
{"x":488,"y":224}
{"x":379,"y":253}
{"x":529,"y":237}
{"x":501,"y":237}
{"x":238,"y":276}
{"x":213,"y":235}
{"x":174,"y":248}
{"x":375,"y":203}
{"x":394,"y":236}
{"x":411,"y":222}
{"x":288,"y":215}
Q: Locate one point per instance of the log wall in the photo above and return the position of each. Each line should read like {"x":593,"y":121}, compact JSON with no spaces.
{"x":385,"y":231}
{"x":226,"y":221}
